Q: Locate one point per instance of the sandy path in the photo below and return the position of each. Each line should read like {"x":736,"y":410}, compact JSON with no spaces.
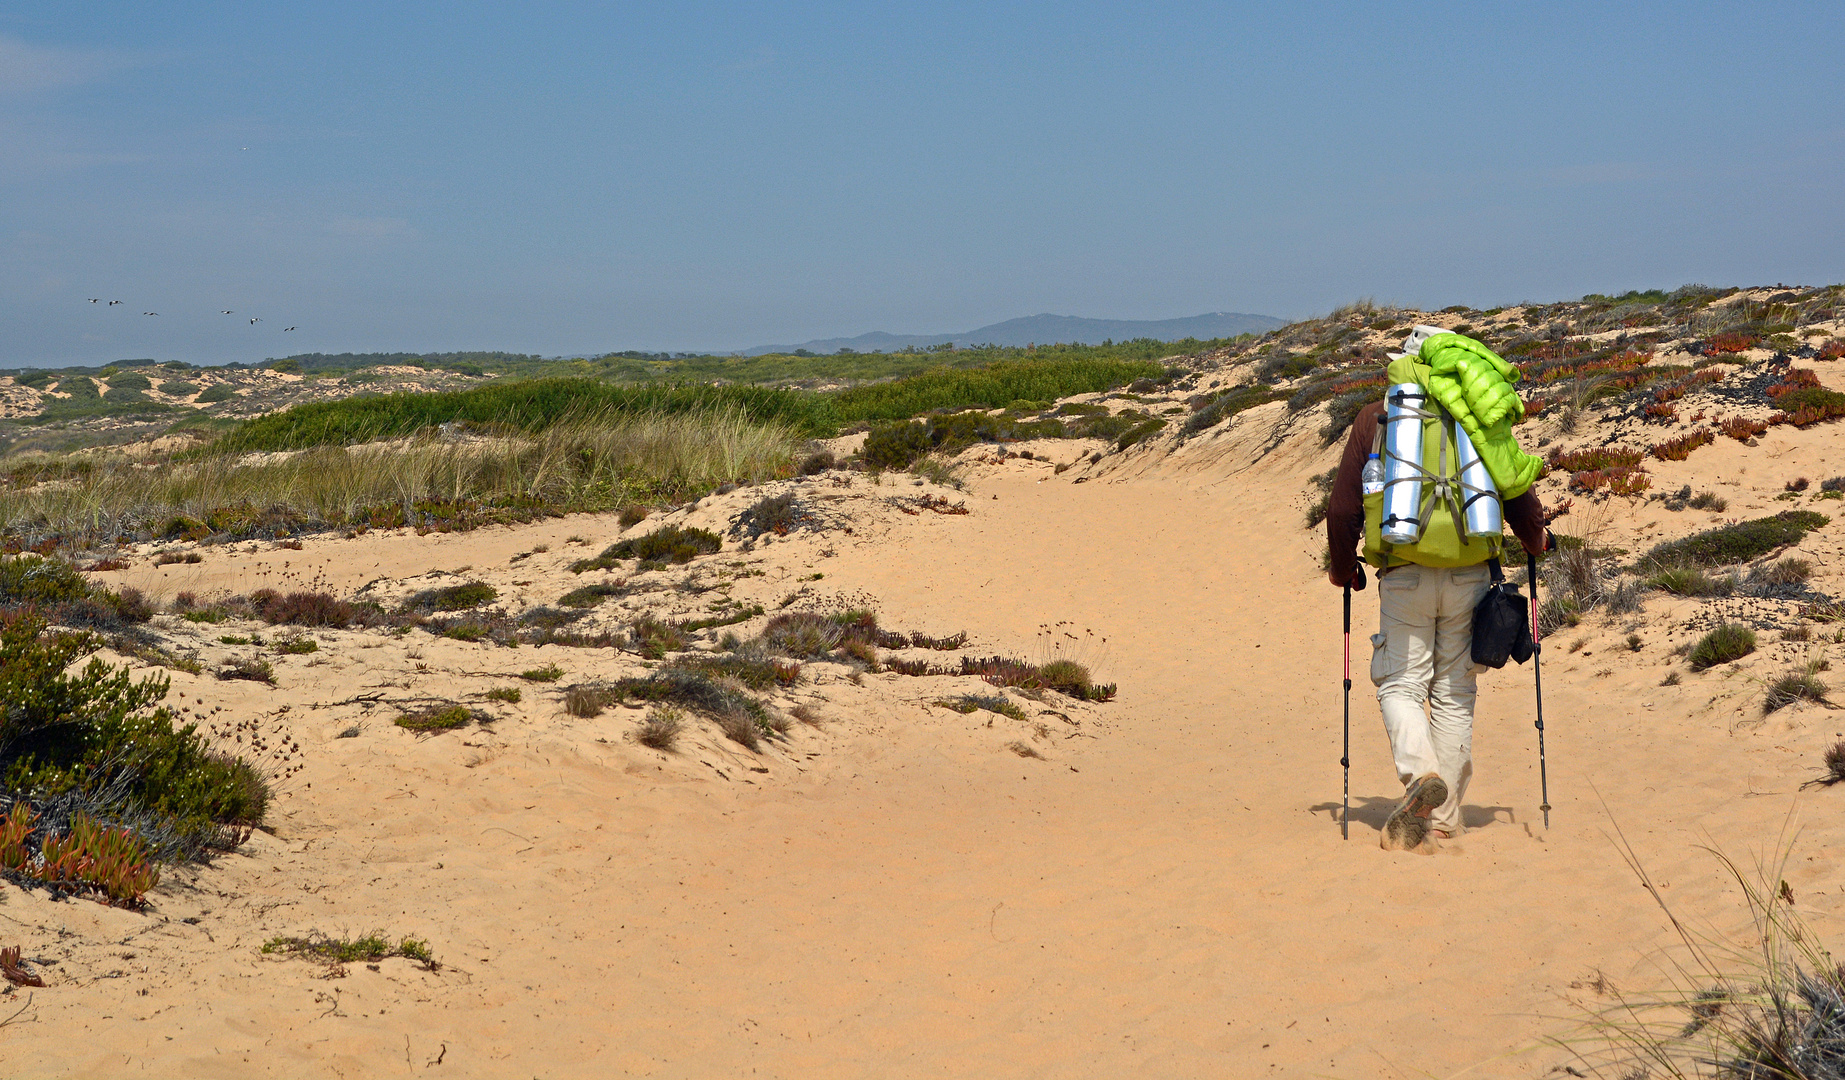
{"x":1170,"y":900}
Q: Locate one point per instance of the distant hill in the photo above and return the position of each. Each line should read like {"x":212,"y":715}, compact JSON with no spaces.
{"x":1046,"y":330}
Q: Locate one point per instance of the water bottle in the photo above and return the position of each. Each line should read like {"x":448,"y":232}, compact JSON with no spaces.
{"x":1373,"y":476}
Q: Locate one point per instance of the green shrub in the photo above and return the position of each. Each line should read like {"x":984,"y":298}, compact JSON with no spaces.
{"x":461,"y":597}
{"x":435,"y":718}
{"x":101,"y":737}
{"x":297,"y":646}
{"x":1230,"y":402}
{"x":215,"y":393}
{"x":654,"y":638}
{"x":129,"y":380}
{"x":1730,"y":641}
{"x":674,"y":544}
{"x":509,"y":694}
{"x":370,"y":948}
{"x":993,"y":703}
{"x":895,"y":446}
{"x":33,"y":579}
{"x":250,"y":669}
{"x":1739,"y":542}
{"x":178,"y":387}
{"x":590,"y":596}
{"x":548,"y":673}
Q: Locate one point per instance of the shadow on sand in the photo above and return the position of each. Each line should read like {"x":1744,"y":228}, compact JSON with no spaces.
{"x":1372,"y":810}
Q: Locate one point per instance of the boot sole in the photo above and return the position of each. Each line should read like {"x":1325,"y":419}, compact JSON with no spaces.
{"x":1408,"y":825}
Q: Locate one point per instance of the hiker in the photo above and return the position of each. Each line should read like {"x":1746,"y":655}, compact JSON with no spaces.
{"x":1422,"y":661}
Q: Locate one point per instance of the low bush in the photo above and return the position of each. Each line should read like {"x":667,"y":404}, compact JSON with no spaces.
{"x":817,"y":462}
{"x":98,"y":743}
{"x":302,"y":608}
{"x":1596,"y":458}
{"x":435,"y":718}
{"x":672,"y":544}
{"x":777,"y":514}
{"x":370,"y":948}
{"x":470,"y":594}
{"x":88,"y":857}
{"x":548,"y":673}
{"x":1709,"y":500}
{"x":1737,"y":543}
{"x":741,"y":718}
{"x":509,"y":694}
{"x":1066,"y":676}
{"x":1730,"y":641}
{"x":654,"y":638}
{"x":757,"y":672}
{"x":1680,"y":448}
{"x":249,"y":669}
{"x":1229,"y":403}
{"x":297,"y":646}
{"x":590,"y":596}
{"x":993,"y":703}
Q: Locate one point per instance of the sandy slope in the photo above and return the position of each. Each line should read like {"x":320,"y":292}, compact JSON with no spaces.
{"x":1165,"y":894}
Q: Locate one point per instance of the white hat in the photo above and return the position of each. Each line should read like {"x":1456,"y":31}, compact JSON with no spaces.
{"x":1412,"y":345}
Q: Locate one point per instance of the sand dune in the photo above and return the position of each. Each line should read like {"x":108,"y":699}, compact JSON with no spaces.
{"x":1164,"y":892}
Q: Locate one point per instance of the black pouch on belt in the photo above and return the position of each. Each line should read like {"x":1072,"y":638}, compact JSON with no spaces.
{"x":1501,"y":623}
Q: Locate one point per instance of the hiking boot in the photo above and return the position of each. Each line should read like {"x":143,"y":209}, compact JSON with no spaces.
{"x":1408,"y":825}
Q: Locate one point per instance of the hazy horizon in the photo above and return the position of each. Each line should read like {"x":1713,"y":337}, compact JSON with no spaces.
{"x":715,"y":177}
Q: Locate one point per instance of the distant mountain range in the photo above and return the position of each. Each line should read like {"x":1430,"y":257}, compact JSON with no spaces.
{"x":1047,"y":330}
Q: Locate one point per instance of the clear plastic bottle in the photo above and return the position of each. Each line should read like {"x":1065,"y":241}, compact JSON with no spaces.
{"x":1373,"y":476}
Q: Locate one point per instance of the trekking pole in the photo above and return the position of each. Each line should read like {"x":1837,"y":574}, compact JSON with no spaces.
{"x":1537,"y":676}
{"x":1345,"y":758}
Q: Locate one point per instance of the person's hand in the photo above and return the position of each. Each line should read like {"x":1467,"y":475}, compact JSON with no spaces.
{"x":1356,"y":582}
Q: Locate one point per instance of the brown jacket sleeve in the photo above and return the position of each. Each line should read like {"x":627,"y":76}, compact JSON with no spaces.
{"x":1345,"y":511}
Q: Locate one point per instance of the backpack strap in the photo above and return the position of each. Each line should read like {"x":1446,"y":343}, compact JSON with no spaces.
{"x":1498,"y":572}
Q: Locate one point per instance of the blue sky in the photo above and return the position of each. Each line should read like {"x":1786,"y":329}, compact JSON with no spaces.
{"x":562,"y":178}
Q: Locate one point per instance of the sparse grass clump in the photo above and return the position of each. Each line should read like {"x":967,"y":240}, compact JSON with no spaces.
{"x":741,"y":718}
{"x":548,"y":673}
{"x":1832,"y":764}
{"x":1789,"y":571}
{"x":508,"y":694}
{"x":1709,"y":500}
{"x":1801,"y":684}
{"x":1730,"y":641}
{"x":1683,"y":579}
{"x":661,"y":728}
{"x":297,"y":646}
{"x":435,"y":718}
{"x":1737,"y":543}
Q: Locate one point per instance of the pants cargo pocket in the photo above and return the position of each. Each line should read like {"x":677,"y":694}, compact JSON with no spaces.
{"x":1380,"y":660}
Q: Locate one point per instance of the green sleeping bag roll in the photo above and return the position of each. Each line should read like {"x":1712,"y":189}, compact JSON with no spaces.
{"x":1475,"y":386}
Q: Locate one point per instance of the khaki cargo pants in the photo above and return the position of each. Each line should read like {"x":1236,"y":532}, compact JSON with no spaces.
{"x":1422,"y":665}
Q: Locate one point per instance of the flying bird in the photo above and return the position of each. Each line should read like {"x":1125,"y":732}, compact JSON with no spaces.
{"x":112,"y":303}
{"x":95,"y":299}
{"x":253,"y":322}
{"x":150,"y":313}
{"x":286,"y":329}
{"x":227,"y":313}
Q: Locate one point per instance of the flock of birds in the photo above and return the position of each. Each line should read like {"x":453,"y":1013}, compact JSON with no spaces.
{"x":221,"y":311}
